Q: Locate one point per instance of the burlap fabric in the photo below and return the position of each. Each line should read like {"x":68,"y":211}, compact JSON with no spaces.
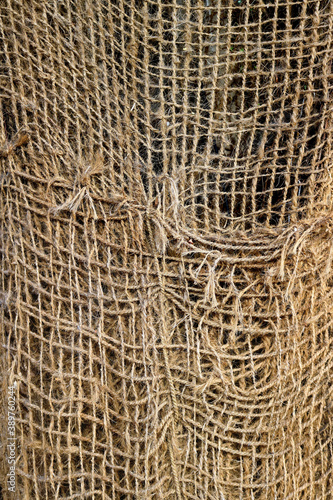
{"x":166,"y":244}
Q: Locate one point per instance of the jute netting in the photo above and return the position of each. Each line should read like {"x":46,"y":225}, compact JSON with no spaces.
{"x":166,"y":249}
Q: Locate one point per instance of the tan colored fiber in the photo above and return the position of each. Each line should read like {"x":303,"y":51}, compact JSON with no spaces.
{"x":166,"y":248}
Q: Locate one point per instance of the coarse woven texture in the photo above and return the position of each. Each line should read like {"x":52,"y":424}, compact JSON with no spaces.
{"x":166,"y":244}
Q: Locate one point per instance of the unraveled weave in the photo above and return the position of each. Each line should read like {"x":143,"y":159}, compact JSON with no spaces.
{"x":166,"y":244}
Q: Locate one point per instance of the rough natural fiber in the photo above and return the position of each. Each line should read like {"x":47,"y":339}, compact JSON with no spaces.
{"x":166,"y":244}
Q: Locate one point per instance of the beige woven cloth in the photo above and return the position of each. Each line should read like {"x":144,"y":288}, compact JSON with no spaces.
{"x":166,"y":248}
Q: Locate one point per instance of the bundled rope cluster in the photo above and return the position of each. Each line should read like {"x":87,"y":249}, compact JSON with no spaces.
{"x":166,"y":248}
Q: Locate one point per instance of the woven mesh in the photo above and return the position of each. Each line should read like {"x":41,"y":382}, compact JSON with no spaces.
{"x":166,"y":244}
